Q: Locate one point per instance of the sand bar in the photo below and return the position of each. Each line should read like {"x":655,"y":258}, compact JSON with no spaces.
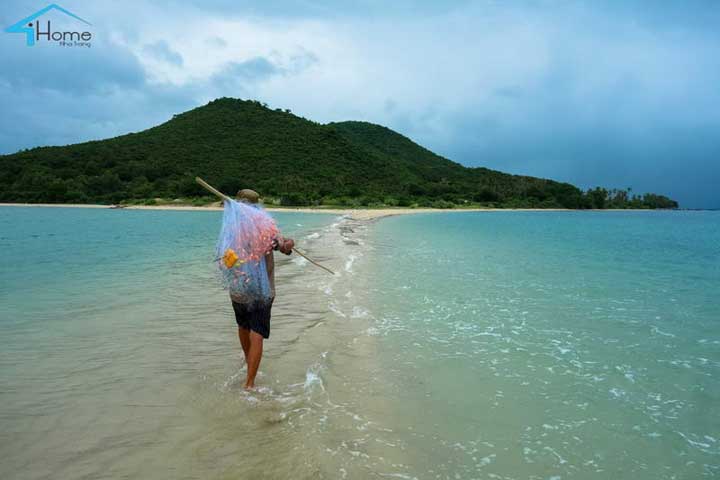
{"x":354,"y":213}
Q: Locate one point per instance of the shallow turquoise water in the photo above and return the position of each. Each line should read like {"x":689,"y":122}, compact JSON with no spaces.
{"x":114,"y":331}
{"x":554,"y":344}
{"x":464,"y":345}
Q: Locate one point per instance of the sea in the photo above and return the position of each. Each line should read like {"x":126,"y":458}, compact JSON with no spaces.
{"x":454,"y":345}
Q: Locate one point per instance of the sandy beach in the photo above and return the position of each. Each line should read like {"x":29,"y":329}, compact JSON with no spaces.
{"x":354,"y":213}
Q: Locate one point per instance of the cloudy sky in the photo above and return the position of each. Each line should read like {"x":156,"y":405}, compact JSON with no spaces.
{"x":619,"y":94}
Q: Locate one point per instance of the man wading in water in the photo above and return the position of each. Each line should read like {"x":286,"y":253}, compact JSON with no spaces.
{"x":254,"y":319}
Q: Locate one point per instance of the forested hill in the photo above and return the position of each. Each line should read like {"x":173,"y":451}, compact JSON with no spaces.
{"x":290,"y":160}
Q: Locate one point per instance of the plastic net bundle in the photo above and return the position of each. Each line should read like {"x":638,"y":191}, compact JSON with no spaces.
{"x":246,"y":236}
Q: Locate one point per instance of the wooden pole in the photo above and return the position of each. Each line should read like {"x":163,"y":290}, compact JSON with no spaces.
{"x":214,"y":191}
{"x":295,"y":249}
{"x":211,"y":189}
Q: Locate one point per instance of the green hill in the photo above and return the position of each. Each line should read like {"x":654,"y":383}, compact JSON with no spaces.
{"x":288,"y":159}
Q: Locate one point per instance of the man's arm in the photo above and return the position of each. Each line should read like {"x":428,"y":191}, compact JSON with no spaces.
{"x":285,"y":245}
{"x":270,"y":267}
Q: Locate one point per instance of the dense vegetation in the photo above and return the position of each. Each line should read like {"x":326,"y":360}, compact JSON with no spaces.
{"x":289,"y":160}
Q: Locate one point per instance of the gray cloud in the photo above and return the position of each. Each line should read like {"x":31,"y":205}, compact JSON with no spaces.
{"x":160,"y":50}
{"x":70,"y":70}
{"x":216,"y":42}
{"x":257,"y":69}
{"x":37,"y":117}
{"x":252,"y":70}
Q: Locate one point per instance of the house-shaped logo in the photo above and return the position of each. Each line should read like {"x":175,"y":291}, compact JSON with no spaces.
{"x":37,"y":30}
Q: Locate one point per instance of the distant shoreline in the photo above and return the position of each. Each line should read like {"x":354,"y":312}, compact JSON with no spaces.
{"x":356,"y":213}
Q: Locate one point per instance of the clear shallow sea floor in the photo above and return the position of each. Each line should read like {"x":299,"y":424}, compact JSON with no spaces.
{"x":528,"y":345}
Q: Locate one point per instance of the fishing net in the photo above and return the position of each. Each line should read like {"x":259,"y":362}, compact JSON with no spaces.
{"x":246,"y":236}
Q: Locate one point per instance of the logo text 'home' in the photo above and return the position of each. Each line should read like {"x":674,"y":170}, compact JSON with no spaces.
{"x":37,"y":30}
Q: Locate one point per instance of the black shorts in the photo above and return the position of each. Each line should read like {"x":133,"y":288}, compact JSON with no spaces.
{"x":255,"y":317}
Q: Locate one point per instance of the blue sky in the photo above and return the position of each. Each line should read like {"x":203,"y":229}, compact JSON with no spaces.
{"x":619,"y":94}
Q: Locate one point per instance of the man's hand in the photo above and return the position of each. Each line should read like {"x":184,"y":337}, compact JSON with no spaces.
{"x":285,"y":245}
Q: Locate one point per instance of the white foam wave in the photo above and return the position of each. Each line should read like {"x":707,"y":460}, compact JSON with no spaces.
{"x":349,"y":263}
{"x":312,"y":375}
{"x":359,"y":312}
{"x":336,"y":310}
{"x":657,"y":331}
{"x":373,"y":332}
{"x":311,"y":379}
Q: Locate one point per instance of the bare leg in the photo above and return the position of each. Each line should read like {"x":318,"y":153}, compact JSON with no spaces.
{"x":244,"y":336}
{"x":253,"y":358}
